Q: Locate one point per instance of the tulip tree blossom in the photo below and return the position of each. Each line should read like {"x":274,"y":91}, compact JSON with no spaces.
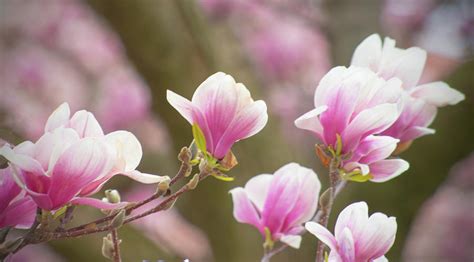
{"x":16,"y":209}
{"x":352,"y":106}
{"x":420,"y":101}
{"x":278,"y":205}
{"x":73,"y":159}
{"x":358,"y":237}
{"x":223,"y":110}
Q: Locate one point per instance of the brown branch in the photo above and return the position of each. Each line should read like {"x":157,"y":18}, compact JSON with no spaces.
{"x":116,"y":241}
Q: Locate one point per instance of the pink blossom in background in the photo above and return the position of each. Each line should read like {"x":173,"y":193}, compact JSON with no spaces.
{"x":16,"y":209}
{"x":357,"y":237}
{"x":284,"y":42}
{"x":74,"y":148}
{"x":169,"y":230}
{"x":443,"y":229}
{"x":69,"y":54}
{"x":36,"y":253}
{"x":281,"y":202}
{"x":357,"y":105}
{"x":420,"y":101}
{"x":224,"y":110}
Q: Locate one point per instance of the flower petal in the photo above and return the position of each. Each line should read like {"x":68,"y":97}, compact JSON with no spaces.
{"x":244,"y":210}
{"x":322,"y":234}
{"x":368,"y":52}
{"x":97,"y":203}
{"x":24,"y":162}
{"x":85,"y":124}
{"x":79,"y":165}
{"x":346,"y":245}
{"x":375,"y":148}
{"x":181,"y":104}
{"x":144,"y":177}
{"x":128,"y":149}
{"x":19,"y":214}
{"x":293,"y":241}
{"x":354,"y":217}
{"x":438,"y":94}
{"x":378,"y":237}
{"x":384,"y":170}
{"x":257,"y":189}
{"x":59,"y":117}
{"x":310,"y":121}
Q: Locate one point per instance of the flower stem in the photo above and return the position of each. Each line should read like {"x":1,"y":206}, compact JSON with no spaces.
{"x":323,"y":217}
{"x":116,"y":241}
{"x":268,"y":255}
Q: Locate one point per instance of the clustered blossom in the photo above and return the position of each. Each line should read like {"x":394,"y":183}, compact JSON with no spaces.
{"x":357,"y":237}
{"x":223,"y":110}
{"x":16,"y":209}
{"x":73,"y":159}
{"x":69,"y":54}
{"x":278,"y":205}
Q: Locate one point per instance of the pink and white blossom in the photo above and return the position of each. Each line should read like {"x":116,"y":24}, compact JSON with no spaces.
{"x":73,"y":159}
{"x":358,"y":237}
{"x":16,"y":208}
{"x":224,"y":110}
{"x":420,"y":101}
{"x":281,"y":202}
{"x":356,"y":105}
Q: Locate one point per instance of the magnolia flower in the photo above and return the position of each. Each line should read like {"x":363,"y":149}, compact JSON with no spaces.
{"x":73,"y":159}
{"x":352,"y":105}
{"x":223,"y":110}
{"x":277,"y":205}
{"x":420,"y":101}
{"x":358,"y":237}
{"x":16,"y":209}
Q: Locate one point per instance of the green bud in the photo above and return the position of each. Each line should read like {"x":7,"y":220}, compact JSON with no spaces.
{"x":185,"y":155}
{"x":112,"y":195}
{"x":192,"y":184}
{"x":164,"y":185}
{"x":108,"y":247}
{"x":117,"y":221}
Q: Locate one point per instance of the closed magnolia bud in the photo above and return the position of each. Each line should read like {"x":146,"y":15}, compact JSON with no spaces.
{"x":185,"y":155}
{"x":192,"y":184}
{"x":108,"y":247}
{"x":164,"y":185}
{"x":112,"y":195}
{"x":325,"y":198}
{"x":117,"y":221}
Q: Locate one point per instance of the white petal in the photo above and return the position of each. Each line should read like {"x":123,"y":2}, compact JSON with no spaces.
{"x":59,"y":117}
{"x":293,"y":241}
{"x":128,"y":148}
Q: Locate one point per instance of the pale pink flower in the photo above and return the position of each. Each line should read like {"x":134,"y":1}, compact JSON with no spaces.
{"x":224,"y":110}
{"x":420,"y":101}
{"x":358,"y":237}
{"x":73,"y":159}
{"x":355,"y":104}
{"x":16,"y":209}
{"x":281,"y":202}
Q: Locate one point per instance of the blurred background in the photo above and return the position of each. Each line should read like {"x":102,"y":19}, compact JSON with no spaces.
{"x":117,"y":58}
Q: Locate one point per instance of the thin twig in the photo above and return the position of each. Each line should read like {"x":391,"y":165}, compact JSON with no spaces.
{"x":116,"y":241}
{"x":267,"y":256}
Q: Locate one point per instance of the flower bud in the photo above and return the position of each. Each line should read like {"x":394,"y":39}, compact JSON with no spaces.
{"x":192,"y":184}
{"x":163,"y":186}
{"x":108,"y":247}
{"x":112,"y":195}
{"x":117,"y":221}
{"x":185,"y":155}
{"x":325,"y":198}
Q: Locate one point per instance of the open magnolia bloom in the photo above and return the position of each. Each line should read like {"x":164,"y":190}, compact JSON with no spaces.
{"x":278,"y":205}
{"x":420,"y":101}
{"x":352,"y":106}
{"x":16,"y":208}
{"x":358,"y":237}
{"x":223,"y":110}
{"x":73,"y":159}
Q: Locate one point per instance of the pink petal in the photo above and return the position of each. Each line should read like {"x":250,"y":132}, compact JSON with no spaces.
{"x":8,"y":188}
{"x":385,"y":170}
{"x":346,"y":245}
{"x":322,"y":234}
{"x":257,"y":189}
{"x":52,"y":144}
{"x":83,"y":162}
{"x":97,"y":203}
{"x":310,"y":121}
{"x":248,"y":122}
{"x":369,"y":121}
{"x":354,"y":217}
{"x":85,"y":124}
{"x":181,"y":104}
{"x":408,"y":66}
{"x":331,"y":79}
{"x":282,"y":197}
{"x":128,"y":149}
{"x":378,"y":237}
{"x":438,"y":94}
{"x":19,"y":214}
{"x":59,"y":117}
{"x":368,"y":52}
{"x":415,"y":132}
{"x":375,"y":148}
{"x":244,"y":210}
